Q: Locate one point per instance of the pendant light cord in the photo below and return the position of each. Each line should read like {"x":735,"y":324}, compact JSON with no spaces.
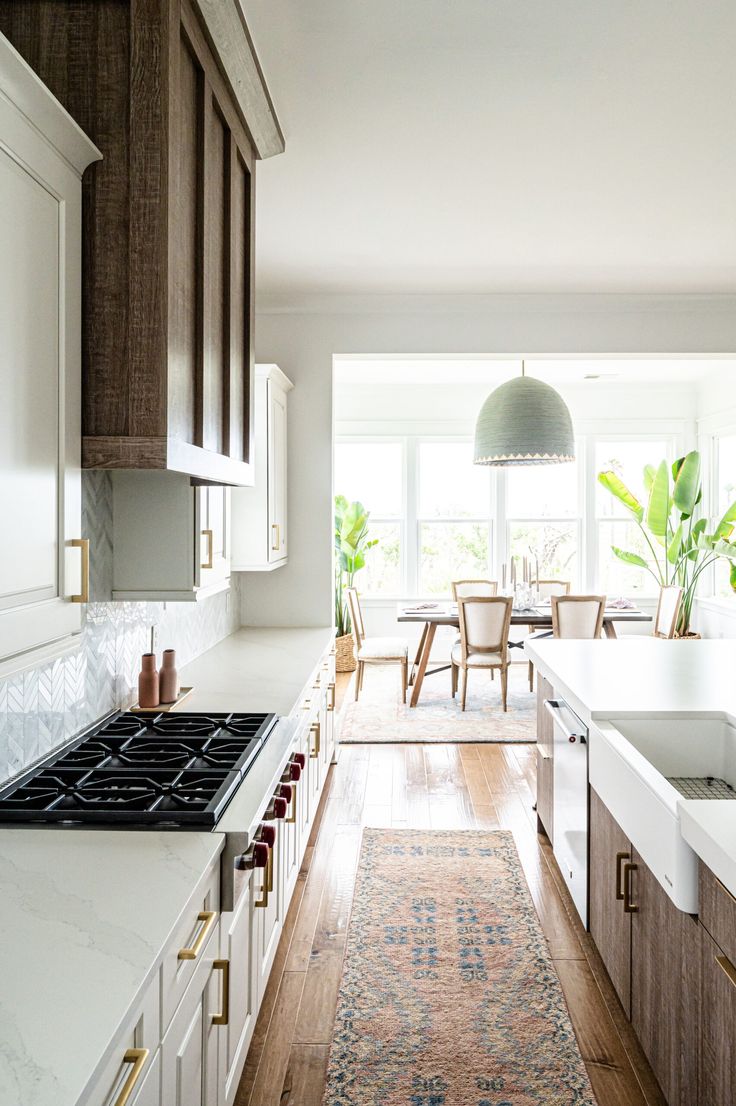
{"x":523,"y":367}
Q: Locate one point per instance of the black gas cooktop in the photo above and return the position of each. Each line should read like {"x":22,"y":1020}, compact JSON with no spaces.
{"x":159,"y":770}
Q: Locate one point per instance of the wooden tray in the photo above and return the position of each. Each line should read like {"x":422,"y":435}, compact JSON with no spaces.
{"x":183,"y":694}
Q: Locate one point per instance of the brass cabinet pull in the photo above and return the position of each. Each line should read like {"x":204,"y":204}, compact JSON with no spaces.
{"x":263,"y":901}
{"x":629,"y":906}
{"x":620,"y":857}
{"x":83,"y":544}
{"x":209,"y":563}
{"x":727,"y":968}
{"x":315,"y":729}
{"x":224,"y":1016}
{"x":275,"y":544}
{"x":331,"y":689}
{"x":292,"y":817}
{"x":209,"y":918}
{"x":137,"y":1057}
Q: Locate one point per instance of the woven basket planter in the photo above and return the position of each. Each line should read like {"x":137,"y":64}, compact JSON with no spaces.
{"x":345,"y":654}
{"x":689,"y":636}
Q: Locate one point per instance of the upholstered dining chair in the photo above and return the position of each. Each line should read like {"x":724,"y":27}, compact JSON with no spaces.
{"x":668,"y":609}
{"x":546,"y":589}
{"x":468,"y":589}
{"x":577,"y":616}
{"x":377,"y":650}
{"x":484,"y":640}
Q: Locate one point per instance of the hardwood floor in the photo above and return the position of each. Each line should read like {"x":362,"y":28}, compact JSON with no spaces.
{"x":433,"y":787}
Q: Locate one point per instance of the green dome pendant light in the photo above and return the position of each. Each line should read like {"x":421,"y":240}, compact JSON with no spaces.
{"x":524,"y":422}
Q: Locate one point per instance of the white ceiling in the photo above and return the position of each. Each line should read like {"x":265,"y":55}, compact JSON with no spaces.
{"x":499,"y":145}
{"x":483,"y":370}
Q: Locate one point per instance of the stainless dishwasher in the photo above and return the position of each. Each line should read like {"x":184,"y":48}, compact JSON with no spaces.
{"x":571,"y":801}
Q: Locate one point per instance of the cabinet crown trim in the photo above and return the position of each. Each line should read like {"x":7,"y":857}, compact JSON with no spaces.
{"x":30,"y":95}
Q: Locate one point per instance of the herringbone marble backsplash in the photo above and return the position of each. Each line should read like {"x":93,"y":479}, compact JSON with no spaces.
{"x":45,"y":706}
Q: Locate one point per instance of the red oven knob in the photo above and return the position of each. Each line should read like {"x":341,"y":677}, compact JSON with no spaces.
{"x":295,"y":772}
{"x":286,"y":791}
{"x":268,"y":834}
{"x":256,"y":857}
{"x":300,"y":759}
{"x":280,"y":806}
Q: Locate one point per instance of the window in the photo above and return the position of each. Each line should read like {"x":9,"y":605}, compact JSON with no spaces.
{"x":544,"y":519}
{"x":724,"y":454}
{"x":614,"y":525}
{"x":373,"y":473}
{"x":454,"y":516}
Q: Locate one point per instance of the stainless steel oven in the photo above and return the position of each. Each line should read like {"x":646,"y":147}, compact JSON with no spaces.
{"x":571,"y":801}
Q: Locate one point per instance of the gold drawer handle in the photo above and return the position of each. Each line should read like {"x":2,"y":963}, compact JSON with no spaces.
{"x":727,"y":968}
{"x":275,"y":544}
{"x":83,"y":544}
{"x":629,"y":906}
{"x":292,"y":817}
{"x":315,"y":729}
{"x":209,"y":563}
{"x":224,"y":1016}
{"x":620,"y":857}
{"x":137,"y":1057}
{"x":263,"y":901}
{"x":209,"y":918}
{"x":331,"y":689}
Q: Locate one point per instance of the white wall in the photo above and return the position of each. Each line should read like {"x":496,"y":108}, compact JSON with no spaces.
{"x":302,"y":337}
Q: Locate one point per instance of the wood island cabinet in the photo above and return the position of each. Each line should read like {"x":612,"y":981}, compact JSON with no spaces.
{"x":168,"y":299}
{"x":651,"y":951}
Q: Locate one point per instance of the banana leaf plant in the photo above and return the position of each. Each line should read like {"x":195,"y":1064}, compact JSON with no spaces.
{"x":682,"y":545}
{"x":351,"y":545}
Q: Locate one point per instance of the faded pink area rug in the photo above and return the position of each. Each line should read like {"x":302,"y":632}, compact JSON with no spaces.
{"x":449,"y":996}
{"x":379,"y":715}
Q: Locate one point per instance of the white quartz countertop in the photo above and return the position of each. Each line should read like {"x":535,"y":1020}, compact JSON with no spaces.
{"x":84,"y":916}
{"x":255,"y":669}
{"x":640,"y":675}
{"x":709,"y":827}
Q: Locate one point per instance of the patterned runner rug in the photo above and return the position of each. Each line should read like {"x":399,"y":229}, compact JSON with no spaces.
{"x":380,"y":716}
{"x":448,"y":995}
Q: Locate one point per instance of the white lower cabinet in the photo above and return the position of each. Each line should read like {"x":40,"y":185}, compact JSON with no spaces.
{"x":186,"y":1041}
{"x":236,"y":946}
{"x":189,"y":1051}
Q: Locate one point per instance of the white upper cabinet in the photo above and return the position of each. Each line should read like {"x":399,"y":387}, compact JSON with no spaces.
{"x":171,"y":540}
{"x":43,"y":559}
{"x":259,"y":523}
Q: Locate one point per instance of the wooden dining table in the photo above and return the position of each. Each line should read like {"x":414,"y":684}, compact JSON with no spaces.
{"x":445,"y":614}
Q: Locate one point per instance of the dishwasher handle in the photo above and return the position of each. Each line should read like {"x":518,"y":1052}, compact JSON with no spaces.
{"x":559,"y":716}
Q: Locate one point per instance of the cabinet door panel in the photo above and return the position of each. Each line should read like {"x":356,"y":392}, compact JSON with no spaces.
{"x":277,"y":473}
{"x":237,"y":938}
{"x":718,"y":1026}
{"x":545,"y":758}
{"x":216,"y":270}
{"x":40,"y":433}
{"x":664,"y":986}
{"x":610,"y":926}
{"x":184,"y":247}
{"x":241,"y":386}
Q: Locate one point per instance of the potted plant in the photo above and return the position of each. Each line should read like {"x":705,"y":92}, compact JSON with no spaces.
{"x":351,"y":545}
{"x":682,"y":547}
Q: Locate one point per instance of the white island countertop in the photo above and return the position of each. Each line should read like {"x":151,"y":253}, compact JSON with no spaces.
{"x":648,"y":676}
{"x":85,"y":916}
{"x":255,"y":669}
{"x":640,"y":675}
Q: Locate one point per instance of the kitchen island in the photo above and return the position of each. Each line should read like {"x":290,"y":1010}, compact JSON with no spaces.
{"x":650,"y":727}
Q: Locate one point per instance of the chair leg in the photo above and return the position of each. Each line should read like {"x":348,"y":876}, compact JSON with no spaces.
{"x":465,"y":687}
{"x":453,"y":678}
{"x":362,"y":674}
{"x":404,"y":679}
{"x":358,"y":680}
{"x":504,"y":685}
{"x":531,"y":676}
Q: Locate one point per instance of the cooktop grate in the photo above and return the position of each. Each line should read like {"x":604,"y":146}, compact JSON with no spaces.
{"x":702,"y":787}
{"x":142,"y":769}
